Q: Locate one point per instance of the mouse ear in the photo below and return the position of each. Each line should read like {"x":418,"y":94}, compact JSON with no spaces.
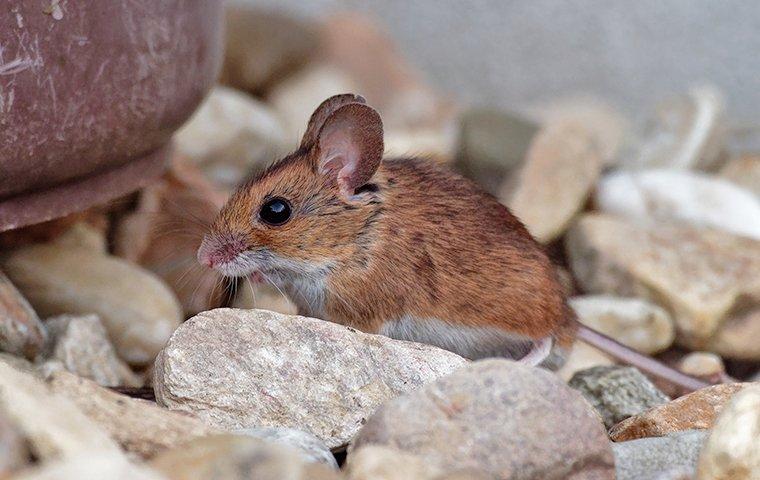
{"x":350,"y":146}
{"x":323,"y":111}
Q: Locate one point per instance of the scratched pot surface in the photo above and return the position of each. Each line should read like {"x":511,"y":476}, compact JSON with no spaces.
{"x":85,"y":90}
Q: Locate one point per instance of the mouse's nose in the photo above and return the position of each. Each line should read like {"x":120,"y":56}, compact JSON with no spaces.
{"x":205,"y":254}
{"x":207,"y":261}
{"x":214,"y":252}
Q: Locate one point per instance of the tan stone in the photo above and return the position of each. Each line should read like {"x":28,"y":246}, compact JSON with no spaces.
{"x":92,"y":466}
{"x":238,"y":369}
{"x":231,"y":136}
{"x":437,"y":143}
{"x":561,"y":168}
{"x":634,"y":322}
{"x":379,"y":462}
{"x":52,"y":425}
{"x":51,"y":231}
{"x":84,"y":235}
{"x":707,"y":279}
{"x":606,"y":123}
{"x":14,"y":453}
{"x":295,"y":98}
{"x":236,"y":457}
{"x":582,"y":357}
{"x":737,"y":336}
{"x":703,"y":365}
{"x":137,"y":309}
{"x":139,"y":426}
{"x":743,"y":171}
{"x":697,"y":410}
{"x":81,"y":346}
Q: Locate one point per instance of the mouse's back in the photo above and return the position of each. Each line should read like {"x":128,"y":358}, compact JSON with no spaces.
{"x":447,"y":254}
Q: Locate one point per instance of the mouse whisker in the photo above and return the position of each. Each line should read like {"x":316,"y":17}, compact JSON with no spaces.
{"x":274,"y":285}
{"x":184,"y":279}
{"x":234,"y":286}
{"x":305,"y":299}
{"x":162,"y":267}
{"x":253,"y":291}
{"x":194,"y":294}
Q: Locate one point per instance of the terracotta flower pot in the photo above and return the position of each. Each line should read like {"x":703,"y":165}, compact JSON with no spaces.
{"x":91,"y":94}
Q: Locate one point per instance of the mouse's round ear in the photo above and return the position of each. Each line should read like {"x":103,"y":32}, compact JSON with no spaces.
{"x":350,"y":146}
{"x":323,"y":111}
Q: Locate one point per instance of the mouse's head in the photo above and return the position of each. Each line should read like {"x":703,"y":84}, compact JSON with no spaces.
{"x":310,"y":209}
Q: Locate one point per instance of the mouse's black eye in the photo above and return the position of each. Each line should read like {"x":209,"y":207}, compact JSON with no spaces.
{"x":275,"y":211}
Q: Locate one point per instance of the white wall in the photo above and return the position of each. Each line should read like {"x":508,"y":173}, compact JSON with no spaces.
{"x":514,"y":52}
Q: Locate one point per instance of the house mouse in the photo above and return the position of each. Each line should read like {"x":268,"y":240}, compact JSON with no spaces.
{"x":400,"y":247}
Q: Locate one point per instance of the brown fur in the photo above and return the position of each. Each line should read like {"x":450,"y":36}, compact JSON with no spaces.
{"x":426,"y":243}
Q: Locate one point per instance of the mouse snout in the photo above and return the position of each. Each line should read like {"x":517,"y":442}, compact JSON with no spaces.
{"x":205,"y":257}
{"x":214,"y":252}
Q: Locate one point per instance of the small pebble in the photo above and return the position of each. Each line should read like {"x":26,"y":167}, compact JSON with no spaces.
{"x":702,"y":365}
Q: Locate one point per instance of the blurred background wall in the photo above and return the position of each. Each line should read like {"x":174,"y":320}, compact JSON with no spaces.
{"x":516,"y":53}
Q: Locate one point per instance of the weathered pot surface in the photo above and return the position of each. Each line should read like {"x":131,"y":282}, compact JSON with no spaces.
{"x":90,"y":95}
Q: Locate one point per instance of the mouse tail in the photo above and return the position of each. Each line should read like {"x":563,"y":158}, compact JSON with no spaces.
{"x":643,"y":362}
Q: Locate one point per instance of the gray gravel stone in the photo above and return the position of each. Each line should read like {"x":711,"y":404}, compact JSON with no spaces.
{"x":617,"y":392}
{"x":659,"y":458}
{"x":492,"y":146}
{"x":81,"y":345}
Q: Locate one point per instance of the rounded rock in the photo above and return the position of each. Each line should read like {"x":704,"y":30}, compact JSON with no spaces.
{"x":137,"y":309}
{"x":561,"y":168}
{"x":508,"y":419}
{"x":733,"y":449}
{"x":702,"y":365}
{"x":698,"y":199}
{"x":239,"y":369}
{"x":230,"y":135}
{"x":634,"y":322}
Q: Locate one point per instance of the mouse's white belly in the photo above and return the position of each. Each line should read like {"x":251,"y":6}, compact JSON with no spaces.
{"x":309,"y":293}
{"x":468,"y":342}
{"x":308,"y":296}
{"x":305,"y":285}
